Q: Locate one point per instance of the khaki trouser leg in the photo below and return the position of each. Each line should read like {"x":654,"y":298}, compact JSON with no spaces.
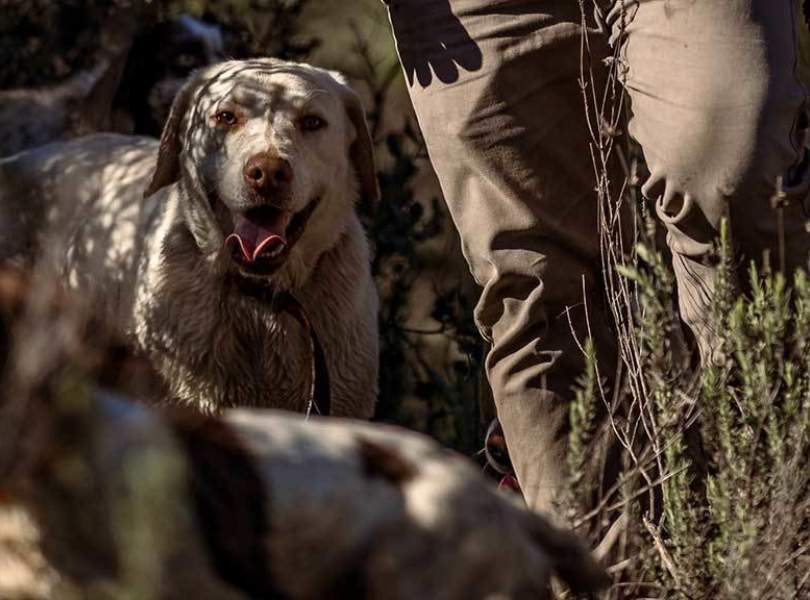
{"x":717,"y":109}
{"x":495,"y":88}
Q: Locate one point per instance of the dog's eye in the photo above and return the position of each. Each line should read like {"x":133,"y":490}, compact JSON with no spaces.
{"x":312,"y":123}
{"x":225,"y":117}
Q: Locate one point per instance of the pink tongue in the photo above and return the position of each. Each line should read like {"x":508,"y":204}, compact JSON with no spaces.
{"x":260,"y":233}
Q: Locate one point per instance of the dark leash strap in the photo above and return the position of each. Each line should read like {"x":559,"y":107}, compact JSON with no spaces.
{"x":320,"y":395}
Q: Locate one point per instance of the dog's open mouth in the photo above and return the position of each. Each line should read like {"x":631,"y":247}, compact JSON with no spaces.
{"x":263,"y":237}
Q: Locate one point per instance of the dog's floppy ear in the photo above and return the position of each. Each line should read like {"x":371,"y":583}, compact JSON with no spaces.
{"x":362,"y":149}
{"x":167,"y":170}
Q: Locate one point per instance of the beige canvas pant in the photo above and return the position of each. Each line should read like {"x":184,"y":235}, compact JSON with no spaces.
{"x":716,"y":109}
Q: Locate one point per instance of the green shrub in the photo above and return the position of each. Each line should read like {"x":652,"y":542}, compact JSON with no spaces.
{"x":713,"y":498}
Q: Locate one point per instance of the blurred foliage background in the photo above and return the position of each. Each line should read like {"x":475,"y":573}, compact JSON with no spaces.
{"x":430,"y":351}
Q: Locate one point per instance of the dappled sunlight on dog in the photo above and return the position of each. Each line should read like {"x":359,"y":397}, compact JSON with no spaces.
{"x":209,"y":313}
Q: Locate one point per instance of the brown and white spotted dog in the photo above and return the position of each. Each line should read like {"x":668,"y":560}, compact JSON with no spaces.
{"x":129,"y":90}
{"x":160,"y":61}
{"x":129,"y":499}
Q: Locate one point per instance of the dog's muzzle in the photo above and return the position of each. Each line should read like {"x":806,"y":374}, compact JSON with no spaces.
{"x":262,"y":237}
{"x":260,"y":231}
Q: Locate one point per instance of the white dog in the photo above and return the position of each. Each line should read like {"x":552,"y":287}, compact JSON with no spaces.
{"x":248,"y":222}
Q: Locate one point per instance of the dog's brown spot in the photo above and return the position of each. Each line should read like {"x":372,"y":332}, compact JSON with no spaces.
{"x":385,"y":463}
{"x":231,"y":502}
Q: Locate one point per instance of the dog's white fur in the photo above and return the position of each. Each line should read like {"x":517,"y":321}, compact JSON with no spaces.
{"x":158,"y":266}
{"x":350,"y":510}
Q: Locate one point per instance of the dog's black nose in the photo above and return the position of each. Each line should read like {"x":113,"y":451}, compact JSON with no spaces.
{"x":267,"y":174}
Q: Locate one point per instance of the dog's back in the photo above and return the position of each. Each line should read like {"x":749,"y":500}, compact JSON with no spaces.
{"x":79,"y":206}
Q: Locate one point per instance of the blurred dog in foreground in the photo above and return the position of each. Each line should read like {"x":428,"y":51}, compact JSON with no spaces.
{"x":250,"y":210}
{"x":115,"y":499}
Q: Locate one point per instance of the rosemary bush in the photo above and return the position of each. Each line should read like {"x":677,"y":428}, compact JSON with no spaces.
{"x":713,"y":497}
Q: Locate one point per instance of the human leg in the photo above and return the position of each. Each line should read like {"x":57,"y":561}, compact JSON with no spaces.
{"x":496,"y":92}
{"x":720,"y":116}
